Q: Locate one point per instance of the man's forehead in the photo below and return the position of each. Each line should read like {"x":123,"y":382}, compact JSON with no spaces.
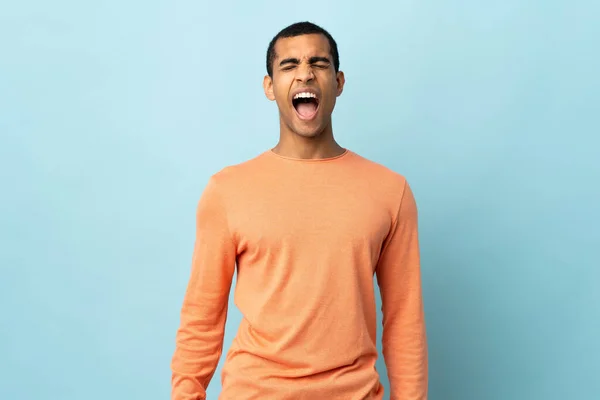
{"x":312,"y":45}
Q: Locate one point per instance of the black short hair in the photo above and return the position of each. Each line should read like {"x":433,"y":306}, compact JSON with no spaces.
{"x":297,"y":29}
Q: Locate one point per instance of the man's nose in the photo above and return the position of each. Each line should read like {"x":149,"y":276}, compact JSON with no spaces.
{"x":304,"y":73}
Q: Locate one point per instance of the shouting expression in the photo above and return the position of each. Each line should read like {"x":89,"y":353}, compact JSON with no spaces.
{"x":304,"y":84}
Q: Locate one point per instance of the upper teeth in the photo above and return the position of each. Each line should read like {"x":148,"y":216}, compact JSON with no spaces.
{"x":304,"y":95}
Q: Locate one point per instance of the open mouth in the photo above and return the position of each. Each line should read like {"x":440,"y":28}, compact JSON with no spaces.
{"x":306,"y":105}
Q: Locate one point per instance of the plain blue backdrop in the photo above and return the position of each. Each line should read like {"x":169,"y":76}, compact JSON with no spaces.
{"x":113,"y":115}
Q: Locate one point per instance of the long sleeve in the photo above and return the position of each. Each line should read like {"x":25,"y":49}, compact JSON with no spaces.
{"x":199,"y":339}
{"x":399,"y":278}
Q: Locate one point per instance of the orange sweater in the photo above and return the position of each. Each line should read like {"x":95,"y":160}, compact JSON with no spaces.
{"x":308,"y":236}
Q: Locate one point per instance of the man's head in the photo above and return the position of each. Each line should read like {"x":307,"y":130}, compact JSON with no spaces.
{"x":303,"y":77}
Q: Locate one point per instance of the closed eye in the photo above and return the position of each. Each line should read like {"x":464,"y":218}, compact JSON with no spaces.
{"x":319,"y":66}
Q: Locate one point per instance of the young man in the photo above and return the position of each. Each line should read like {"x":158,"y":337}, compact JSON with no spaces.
{"x":308,"y":224}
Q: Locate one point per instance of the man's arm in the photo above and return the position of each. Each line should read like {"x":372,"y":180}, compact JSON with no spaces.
{"x":399,"y":279}
{"x":199,"y":339}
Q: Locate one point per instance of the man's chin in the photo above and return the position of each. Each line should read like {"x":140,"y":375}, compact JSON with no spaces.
{"x":308,"y":133}
{"x":312,"y":130}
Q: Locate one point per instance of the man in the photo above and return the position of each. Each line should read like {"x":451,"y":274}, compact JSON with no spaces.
{"x":308,"y":224}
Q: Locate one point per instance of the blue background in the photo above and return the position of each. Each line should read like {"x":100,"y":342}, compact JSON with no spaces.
{"x":114,"y":114}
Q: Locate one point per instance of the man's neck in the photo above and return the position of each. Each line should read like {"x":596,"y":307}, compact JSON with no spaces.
{"x":295,"y":146}
{"x":306,"y":150}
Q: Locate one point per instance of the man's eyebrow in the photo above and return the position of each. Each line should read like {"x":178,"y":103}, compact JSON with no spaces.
{"x":289,"y":61}
{"x":313,"y":60}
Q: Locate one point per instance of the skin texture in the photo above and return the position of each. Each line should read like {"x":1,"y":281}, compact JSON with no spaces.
{"x":305,"y":62}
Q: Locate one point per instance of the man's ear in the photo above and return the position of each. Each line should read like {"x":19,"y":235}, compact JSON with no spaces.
{"x":341,"y":80}
{"x":268,"y":87}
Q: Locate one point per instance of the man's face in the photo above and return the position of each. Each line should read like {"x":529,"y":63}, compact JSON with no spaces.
{"x":304,"y":84}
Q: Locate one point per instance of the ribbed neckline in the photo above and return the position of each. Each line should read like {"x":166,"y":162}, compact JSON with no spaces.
{"x":308,"y":160}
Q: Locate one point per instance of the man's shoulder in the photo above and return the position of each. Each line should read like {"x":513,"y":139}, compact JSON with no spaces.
{"x":378,"y":171}
{"x":232,"y":175}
